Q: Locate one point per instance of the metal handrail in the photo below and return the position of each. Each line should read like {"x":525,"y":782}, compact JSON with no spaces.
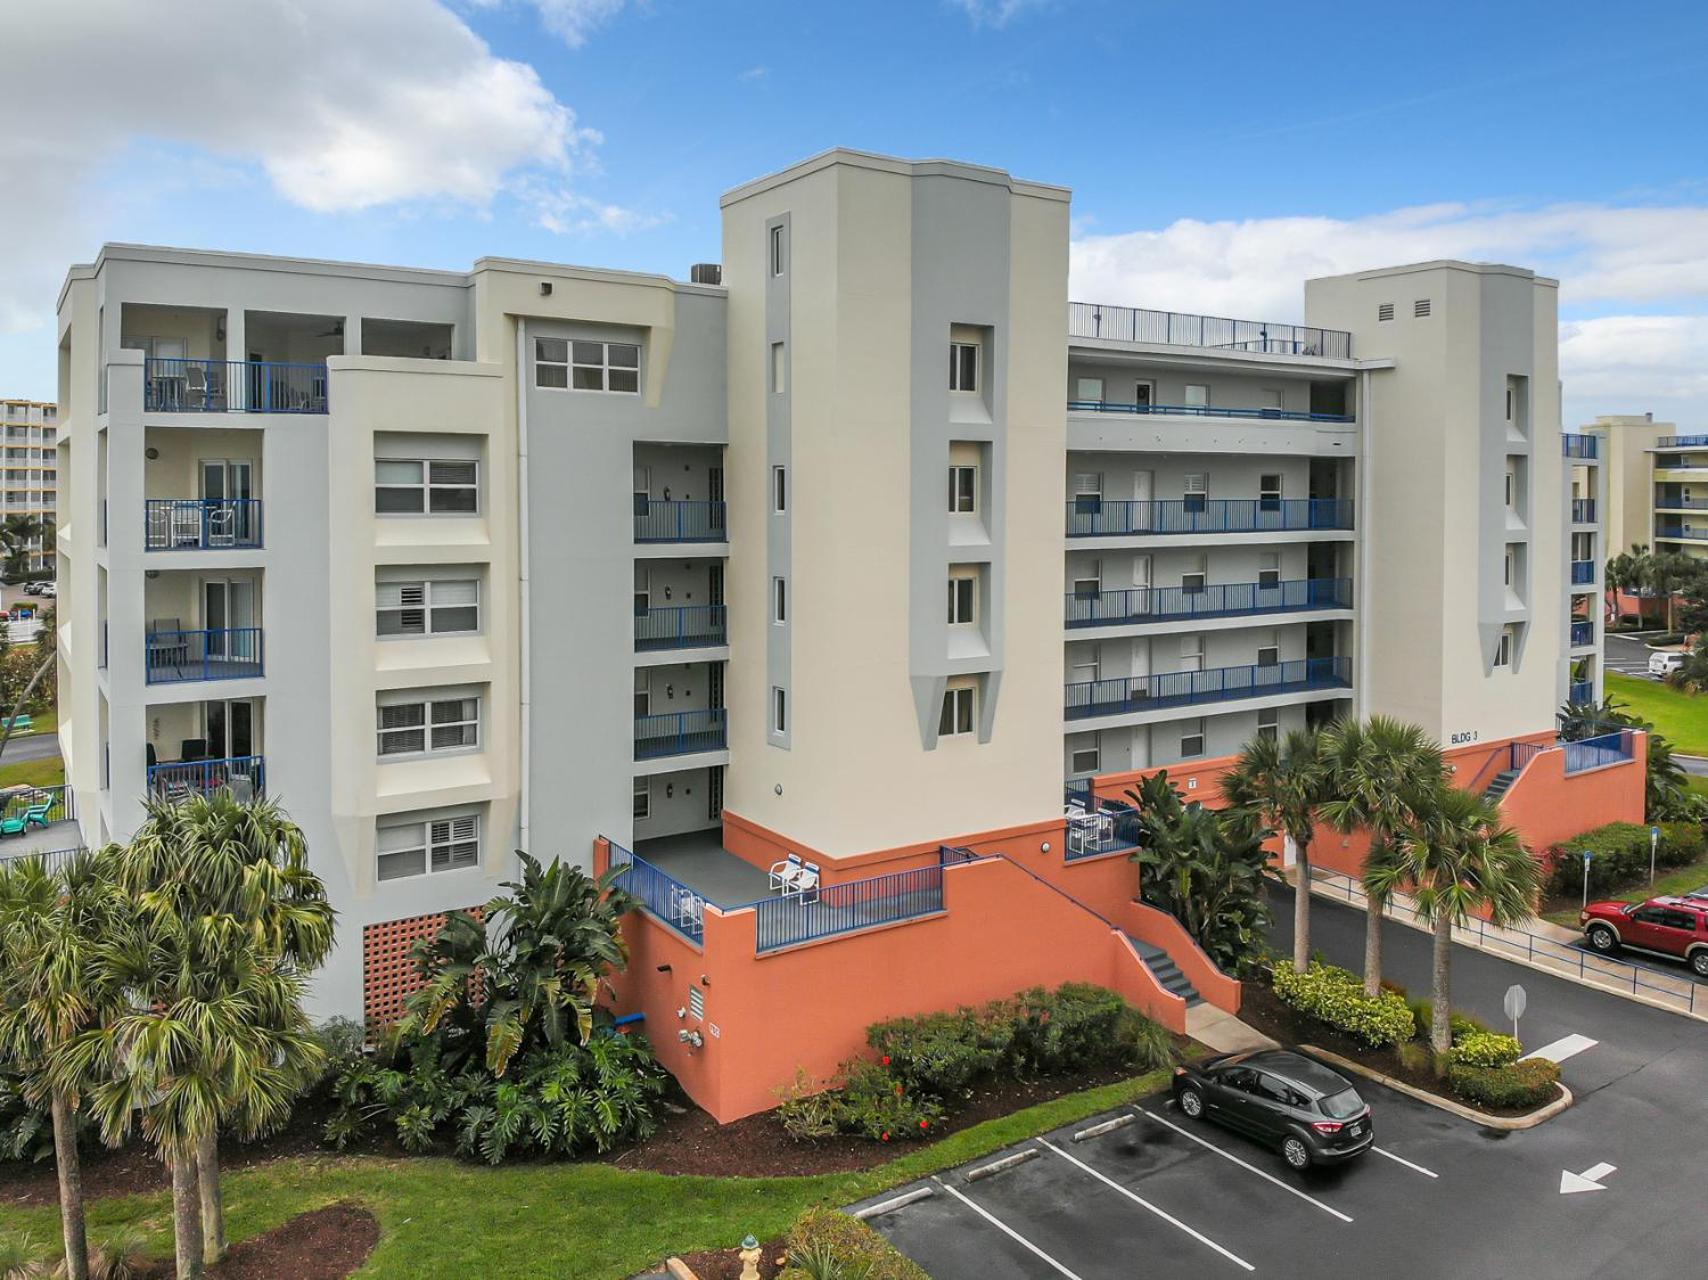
{"x":179,"y":779}
{"x":1096,"y":826}
{"x":1092,"y":516}
{"x":232,"y":386}
{"x":1217,"y":684}
{"x":680,"y":733}
{"x":217,"y":653}
{"x":201,"y":524}
{"x":681,"y":626}
{"x":1204,"y":411}
{"x":1583,"y":572}
{"x":668,"y":520}
{"x":661,"y":894}
{"x":1213,"y":600}
{"x":1183,"y":329}
{"x":848,"y":907}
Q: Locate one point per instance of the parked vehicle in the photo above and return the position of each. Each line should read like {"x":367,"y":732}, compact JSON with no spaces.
{"x":33,"y":588}
{"x":49,"y":590}
{"x":1664,"y":662}
{"x":1669,"y":926}
{"x":1294,"y":1104}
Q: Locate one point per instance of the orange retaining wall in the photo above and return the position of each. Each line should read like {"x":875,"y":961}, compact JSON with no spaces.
{"x":1548,"y":806}
{"x":1157,"y":927}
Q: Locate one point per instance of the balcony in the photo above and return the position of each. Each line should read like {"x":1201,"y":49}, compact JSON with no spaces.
{"x":206,"y":524}
{"x":1616,"y":747}
{"x":1191,"y":688}
{"x":664,"y":520}
{"x":1681,"y":504}
{"x":232,"y":386}
{"x":1680,"y":533}
{"x":681,"y":733}
{"x":1581,"y":693}
{"x":49,"y":817}
{"x":1682,"y":442}
{"x":1220,"y":600}
{"x":1178,"y":329}
{"x":1579,"y":446}
{"x":242,"y":777}
{"x":694,"y":626}
{"x":1098,"y":517}
{"x":1583,"y":510}
{"x":228,"y":653}
{"x":1583,"y":573}
{"x":1204,"y":411}
{"x":1583,"y":633}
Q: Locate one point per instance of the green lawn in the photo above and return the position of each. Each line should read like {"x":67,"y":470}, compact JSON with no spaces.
{"x":1682,"y":718}
{"x":1679,"y":880}
{"x":35,"y":773}
{"x":564,"y":1221}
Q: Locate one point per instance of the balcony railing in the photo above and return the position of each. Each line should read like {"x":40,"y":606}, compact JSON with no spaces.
{"x":1217,"y":600}
{"x":243,"y":777}
{"x":1593,"y":753}
{"x":1681,"y":504}
{"x":1203,"y":411}
{"x":1219,"y":684}
{"x":1583,"y":572}
{"x":795,"y":918}
{"x":664,"y":520}
{"x":1579,"y":446}
{"x":51,"y":805}
{"x":233,"y":386}
{"x":205,"y":524}
{"x":687,"y":627}
{"x":1681,"y":534}
{"x":1583,"y":510}
{"x":661,"y":894}
{"x":1089,"y":517}
{"x":229,"y":653}
{"x":1582,"y":633}
{"x":1682,"y":442}
{"x":1581,"y":692}
{"x":1178,"y":329}
{"x":1097,"y":826}
{"x":680,"y":733}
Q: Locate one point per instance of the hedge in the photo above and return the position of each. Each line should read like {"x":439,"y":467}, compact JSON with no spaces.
{"x":1336,"y":996}
{"x":1529,"y":1083}
{"x":1621,"y":856}
{"x":1485,"y":1049}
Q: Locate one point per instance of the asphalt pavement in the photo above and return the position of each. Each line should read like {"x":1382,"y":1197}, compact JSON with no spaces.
{"x":30,"y":746}
{"x":1625,"y":655}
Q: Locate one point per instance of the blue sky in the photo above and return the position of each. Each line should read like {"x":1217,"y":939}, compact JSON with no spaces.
{"x":1218,"y":152}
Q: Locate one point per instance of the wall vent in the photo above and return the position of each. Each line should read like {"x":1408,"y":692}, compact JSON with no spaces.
{"x":1385,"y":311}
{"x":706,"y":273}
{"x":1420,"y":308}
{"x":696,"y":1002}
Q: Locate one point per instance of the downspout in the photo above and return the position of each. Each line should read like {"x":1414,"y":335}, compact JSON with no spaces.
{"x":1366,"y":406}
{"x":522,"y":565}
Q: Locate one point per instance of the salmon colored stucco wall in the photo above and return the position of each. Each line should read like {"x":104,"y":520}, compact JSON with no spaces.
{"x":1547,"y":806}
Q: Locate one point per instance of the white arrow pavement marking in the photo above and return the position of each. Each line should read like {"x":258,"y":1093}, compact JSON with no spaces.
{"x":1560,"y":1050}
{"x":1588,"y":1180}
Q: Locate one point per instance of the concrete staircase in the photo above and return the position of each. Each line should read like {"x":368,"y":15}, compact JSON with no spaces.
{"x":1166,"y":972}
{"x":1501,"y":785}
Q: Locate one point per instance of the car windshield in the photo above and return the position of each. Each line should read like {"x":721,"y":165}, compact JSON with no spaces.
{"x":1340,"y":1106}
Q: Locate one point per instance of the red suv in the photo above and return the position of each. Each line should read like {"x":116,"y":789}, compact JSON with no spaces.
{"x":1676,"y":927}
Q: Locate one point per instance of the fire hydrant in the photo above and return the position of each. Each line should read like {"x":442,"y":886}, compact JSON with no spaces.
{"x":750,"y":1255}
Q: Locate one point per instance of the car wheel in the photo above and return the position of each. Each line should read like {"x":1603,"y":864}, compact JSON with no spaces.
{"x":1699,"y":964}
{"x":1602,"y":938}
{"x":1296,"y":1153}
{"x":1192,"y":1103}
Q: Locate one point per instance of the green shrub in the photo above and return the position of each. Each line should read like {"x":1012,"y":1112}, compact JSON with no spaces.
{"x":855,"y":1250}
{"x":807,"y":1109}
{"x":1485,"y":1049}
{"x":1336,"y":996}
{"x":1079,"y":1027}
{"x":876,"y":1105}
{"x":943,"y":1053}
{"x":1530,"y":1083}
{"x":1416,"y":1056}
{"x":1681,"y":844}
{"x":1461,"y":1024}
{"x":1621,"y":856}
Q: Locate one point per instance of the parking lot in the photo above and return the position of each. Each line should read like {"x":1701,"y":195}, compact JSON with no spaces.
{"x":1163,"y":1196}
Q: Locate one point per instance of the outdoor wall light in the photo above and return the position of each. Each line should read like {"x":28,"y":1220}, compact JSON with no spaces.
{"x":667,"y":592}
{"x":705,"y":981}
{"x":1045,"y":847}
{"x":669,"y":790}
{"x":664,"y":968}
{"x":151,"y":454}
{"x":778,"y":788}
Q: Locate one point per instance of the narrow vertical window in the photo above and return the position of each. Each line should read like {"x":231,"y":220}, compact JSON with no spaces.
{"x":779,"y":369}
{"x":963,"y":490}
{"x":779,"y":600}
{"x":779,"y":489}
{"x":779,"y":710}
{"x":963,"y":366}
{"x":777,"y":251}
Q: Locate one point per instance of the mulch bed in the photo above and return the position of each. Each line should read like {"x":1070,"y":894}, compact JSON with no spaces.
{"x":326,"y":1244}
{"x":1261,"y":1008}
{"x":725,"y":1264}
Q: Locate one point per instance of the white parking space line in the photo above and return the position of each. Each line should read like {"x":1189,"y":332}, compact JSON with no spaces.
{"x":1006,"y":1230}
{"x":1139,"y":1200}
{"x":1383,"y":1151}
{"x":1267,"y":1177}
{"x":1566,"y":1047}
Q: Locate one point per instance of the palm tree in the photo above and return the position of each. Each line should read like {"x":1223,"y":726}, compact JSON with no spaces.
{"x":1383,"y":773}
{"x":1284,"y":783}
{"x":1460,"y":859}
{"x":17,"y":533}
{"x":51,"y":991}
{"x":1668,"y":572}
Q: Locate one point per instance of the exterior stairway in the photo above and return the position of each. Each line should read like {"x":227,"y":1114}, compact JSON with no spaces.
{"x":1167,"y":972}
{"x":1501,"y":785}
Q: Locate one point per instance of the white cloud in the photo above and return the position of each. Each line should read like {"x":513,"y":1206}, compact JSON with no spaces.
{"x":342,"y":106}
{"x":996,"y":13}
{"x":571,"y":20}
{"x":1636,"y":359}
{"x":565,"y":212}
{"x":752,"y":74}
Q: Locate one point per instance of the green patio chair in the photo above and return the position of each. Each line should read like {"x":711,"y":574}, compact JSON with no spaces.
{"x":36,"y":815}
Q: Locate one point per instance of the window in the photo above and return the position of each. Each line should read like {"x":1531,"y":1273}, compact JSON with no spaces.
{"x":1086,"y":760}
{"x":1087,"y":588}
{"x":1420,"y":308}
{"x":963,"y":601}
{"x":1269,"y":655}
{"x":1191,"y":653}
{"x":1192,"y":581}
{"x":418,"y":724}
{"x":1144,"y":394}
{"x":1087,"y":493}
{"x":1271,"y":400}
{"x":1269,"y":723}
{"x":957,"y":715}
{"x":426,"y":487}
{"x":1508,"y":560}
{"x":643,"y":695}
{"x":435,"y":844}
{"x":779,"y":489}
{"x":1197,"y":395}
{"x":963,"y":366}
{"x":1089,"y":390}
{"x":643,"y":590}
{"x":643,"y":798}
{"x":1195,"y":491}
{"x":779,"y":600}
{"x":1509,"y":403}
{"x":1192,"y":738}
{"x":1269,"y":492}
{"x":551,"y":362}
{"x":1269,"y":569}
{"x":1511,"y":488}
{"x":779,"y":369}
{"x":605,"y":366}
{"x":777,"y":251}
{"x":1385,"y":311}
{"x":439,"y":606}
{"x":1503,"y":650}
{"x":963,"y":490}
{"x":779,"y":710}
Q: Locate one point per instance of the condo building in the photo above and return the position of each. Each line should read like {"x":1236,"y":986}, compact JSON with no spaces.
{"x":31,"y":483}
{"x":834,"y":596}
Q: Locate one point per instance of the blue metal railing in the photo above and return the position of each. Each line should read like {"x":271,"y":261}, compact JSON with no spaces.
{"x":1217,"y":600}
{"x":1178,"y":329}
{"x":1102,"y":517}
{"x":680,"y":732}
{"x":1682,"y":442}
{"x":1583,"y":510}
{"x":1218,"y":684}
{"x":201,"y":524}
{"x":1097,"y":826}
{"x":1592,"y":753}
{"x":233,"y":386}
{"x":229,"y":653}
{"x":684,"y":627}
{"x":1204,"y":411}
{"x":1680,"y":533}
{"x":53,"y":860}
{"x":1579,"y":446}
{"x":179,"y":779}
{"x":661,"y":520}
{"x":662,"y":895}
{"x":1583,"y":571}
{"x":829,"y":910}
{"x":1581,"y":692}
{"x":1681,"y":504}
{"x":1520,"y":754}
{"x":1583,"y":632}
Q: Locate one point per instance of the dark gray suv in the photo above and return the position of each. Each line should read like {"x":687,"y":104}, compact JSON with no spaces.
{"x":1289,"y":1102}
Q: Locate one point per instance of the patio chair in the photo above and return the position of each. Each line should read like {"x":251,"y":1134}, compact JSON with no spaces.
{"x":23,"y":724}
{"x":167,"y":646}
{"x":36,"y":815}
{"x":196,"y":391}
{"x":784,"y":874}
{"x":807,"y":884}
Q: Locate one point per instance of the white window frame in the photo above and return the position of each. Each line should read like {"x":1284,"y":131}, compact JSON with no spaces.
{"x":424,"y":605}
{"x":1148,"y":387}
{"x":1269,"y":569}
{"x":1202,"y":398}
{"x":643,"y":798}
{"x":779,"y":260}
{"x":779,"y":368}
{"x":959,"y":381}
{"x":1273,"y":652}
{"x":1192,"y":731}
{"x":959,"y":716}
{"x":779,"y":600}
{"x":779,"y":489}
{"x":963,"y":600}
{"x":1267,"y":492}
{"x":431,"y":702}
{"x":1079,"y":389}
{"x":1269,"y":723}
{"x":779,"y":710}
{"x":963,"y":489}
{"x":1503,"y":648}
{"x":427,"y":486}
{"x":454,"y":840}
{"x":642,"y":693}
{"x":542,"y":363}
{"x":1191,"y":653}
{"x":1077,"y":764}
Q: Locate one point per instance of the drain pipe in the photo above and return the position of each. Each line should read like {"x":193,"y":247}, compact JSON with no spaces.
{"x":526,"y":677}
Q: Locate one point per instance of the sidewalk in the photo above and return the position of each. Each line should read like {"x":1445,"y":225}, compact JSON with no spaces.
{"x":1540,"y":945}
{"x":1223,"y":1031}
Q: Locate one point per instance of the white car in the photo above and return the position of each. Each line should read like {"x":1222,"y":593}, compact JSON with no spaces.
{"x":1664,"y":662}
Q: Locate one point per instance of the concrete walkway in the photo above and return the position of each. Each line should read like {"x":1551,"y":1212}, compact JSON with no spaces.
{"x":1223,"y":1031}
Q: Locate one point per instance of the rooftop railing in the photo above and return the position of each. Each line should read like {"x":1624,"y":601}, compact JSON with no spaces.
{"x":661,"y":894}
{"x":1213,"y":600}
{"x":1181,"y":329}
{"x":1579,"y":446}
{"x":1124,"y":694}
{"x":1203,"y":411}
{"x":794,"y":918}
{"x":1091,"y":517}
{"x":1097,"y":826}
{"x":1682,"y":442}
{"x":232,"y":386}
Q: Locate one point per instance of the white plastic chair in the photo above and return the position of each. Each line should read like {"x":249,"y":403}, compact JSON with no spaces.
{"x":785,"y":874}
{"x":808,"y":881}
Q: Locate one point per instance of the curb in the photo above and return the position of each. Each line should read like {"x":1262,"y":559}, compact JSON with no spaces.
{"x":1001,"y":1166}
{"x":679,"y":1270}
{"x":895,"y":1202}
{"x":1509,"y":1123}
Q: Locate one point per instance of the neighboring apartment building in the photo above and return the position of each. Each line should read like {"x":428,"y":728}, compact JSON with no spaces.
{"x":31,"y":481}
{"x":1628,"y":443}
{"x":849,"y":551}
